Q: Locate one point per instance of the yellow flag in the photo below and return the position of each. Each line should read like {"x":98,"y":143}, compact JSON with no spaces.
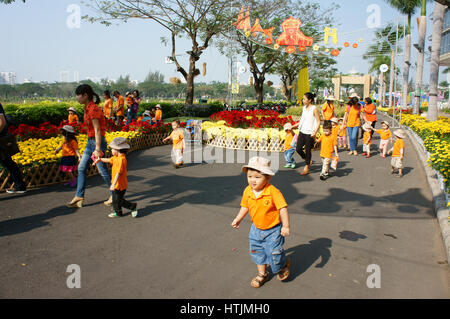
{"x":303,"y":83}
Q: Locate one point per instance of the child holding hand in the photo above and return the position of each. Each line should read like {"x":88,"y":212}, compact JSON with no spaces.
{"x":270,"y":221}
{"x":342,"y":138}
{"x":385,"y":135}
{"x":119,"y":183}
{"x":69,"y":147}
{"x":367,"y":139}
{"x":177,"y":137}
{"x":328,"y":144}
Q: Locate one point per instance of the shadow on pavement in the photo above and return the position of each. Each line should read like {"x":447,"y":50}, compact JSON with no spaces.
{"x":352,"y":236}
{"x":25,"y":224}
{"x":304,"y":256}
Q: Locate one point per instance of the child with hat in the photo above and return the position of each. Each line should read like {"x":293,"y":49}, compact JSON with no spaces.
{"x":270,"y":221}
{"x":177,"y":137}
{"x":342,"y":136}
{"x":398,"y":152}
{"x":328,"y":144}
{"x":119,"y":183}
{"x":289,"y":149}
{"x":73,"y":117}
{"x":158,"y":114}
{"x":334,"y":127}
{"x":367,"y":139}
{"x":385,"y":136}
{"x":69,"y":147}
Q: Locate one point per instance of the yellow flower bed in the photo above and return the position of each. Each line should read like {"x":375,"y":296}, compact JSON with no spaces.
{"x":39,"y":151}
{"x":214,"y":129}
{"x":436,"y":138}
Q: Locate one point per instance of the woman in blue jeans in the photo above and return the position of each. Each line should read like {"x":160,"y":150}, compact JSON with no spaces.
{"x":94,"y":120}
{"x":352,"y":119}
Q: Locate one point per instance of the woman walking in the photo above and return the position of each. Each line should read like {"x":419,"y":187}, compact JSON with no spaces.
{"x":352,"y":119}
{"x":309,"y":125}
{"x":94,"y":120}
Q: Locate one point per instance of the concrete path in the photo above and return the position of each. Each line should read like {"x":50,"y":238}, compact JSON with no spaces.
{"x":182,"y":244}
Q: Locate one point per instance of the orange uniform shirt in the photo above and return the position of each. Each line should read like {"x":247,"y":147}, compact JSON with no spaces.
{"x":69,"y":148}
{"x":327,"y":145}
{"x":120,"y":106}
{"x":119,"y":165}
{"x":367,"y":137}
{"x":72,"y":118}
{"x":335,"y":131}
{"x":343,"y":132}
{"x":158,"y":115}
{"x":288,"y":141}
{"x":107,"y":107}
{"x":384,"y":135}
{"x":368,"y":110}
{"x":399,"y":145}
{"x":92,"y":111}
{"x":177,"y":137}
{"x":265,"y":210}
{"x":353,"y":119}
{"x":327,"y":111}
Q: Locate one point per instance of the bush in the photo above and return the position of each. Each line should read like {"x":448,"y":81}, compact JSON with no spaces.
{"x":168,"y":109}
{"x":295,"y":111}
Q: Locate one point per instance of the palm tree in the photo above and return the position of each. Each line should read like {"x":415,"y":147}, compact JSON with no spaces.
{"x":438,"y":21}
{"x":406,"y":7}
{"x":420,"y":55}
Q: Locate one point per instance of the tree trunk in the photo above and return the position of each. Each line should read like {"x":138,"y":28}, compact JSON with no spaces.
{"x":438,"y":21}
{"x":190,"y":82}
{"x":391,"y":78}
{"x":420,"y":61}
{"x":406,"y":65}
{"x":259,"y":88}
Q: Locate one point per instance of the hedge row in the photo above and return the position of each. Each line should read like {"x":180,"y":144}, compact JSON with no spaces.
{"x":54,"y":112}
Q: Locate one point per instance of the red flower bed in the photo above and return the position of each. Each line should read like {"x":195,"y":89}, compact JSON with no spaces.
{"x":252,"y":119}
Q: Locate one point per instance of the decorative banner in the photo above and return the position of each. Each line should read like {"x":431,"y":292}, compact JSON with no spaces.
{"x":204,"y":69}
{"x":292,"y":36}
{"x":235,"y":88}
{"x":243,"y":22}
{"x":330,"y":33}
{"x":303,"y":83}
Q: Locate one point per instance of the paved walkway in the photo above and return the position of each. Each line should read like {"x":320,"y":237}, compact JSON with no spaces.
{"x":182,"y":245}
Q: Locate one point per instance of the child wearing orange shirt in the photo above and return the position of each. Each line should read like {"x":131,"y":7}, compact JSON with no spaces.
{"x":119,"y":183}
{"x":328,"y":144}
{"x":270,"y":221}
{"x":342,"y":136}
{"x":385,"y":135}
{"x":73,"y":117}
{"x":158,"y":114}
{"x":367,"y":138}
{"x":177,"y":137}
{"x":289,"y":150}
{"x":69,"y":147}
{"x":398,"y":152}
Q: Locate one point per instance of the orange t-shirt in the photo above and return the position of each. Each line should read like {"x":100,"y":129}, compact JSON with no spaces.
{"x":384,"y":135}
{"x":367,"y":137}
{"x":139,"y":118}
{"x":327,"y":145}
{"x":91,"y":112}
{"x":288,"y":141}
{"x":119,"y":106}
{"x":335,"y":131}
{"x":368,"y":110}
{"x":327,"y":111}
{"x":265,"y":210}
{"x":119,"y":165}
{"x":177,"y":137}
{"x":72,"y":118}
{"x":398,"y":146}
{"x":69,"y":148}
{"x":158,"y":115}
{"x":343,"y":132}
{"x":107,"y":107}
{"x":353,"y":119}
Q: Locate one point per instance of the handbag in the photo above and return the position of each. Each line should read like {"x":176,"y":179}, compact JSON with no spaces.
{"x":8,"y":146}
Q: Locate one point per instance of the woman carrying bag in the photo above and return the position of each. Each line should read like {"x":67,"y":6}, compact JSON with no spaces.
{"x":8,"y":147}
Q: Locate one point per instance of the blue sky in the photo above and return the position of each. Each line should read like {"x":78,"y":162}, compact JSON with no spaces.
{"x":37,"y":44}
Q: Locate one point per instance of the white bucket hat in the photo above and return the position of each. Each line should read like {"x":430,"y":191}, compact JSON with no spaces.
{"x":72,"y":109}
{"x":330,"y":98}
{"x":287,"y":127}
{"x":68,"y":128}
{"x":334,"y":120}
{"x":259,"y":164}
{"x":384,"y":122}
{"x":147,"y":113}
{"x":119,"y":143}
{"x":367,"y":127}
{"x":400,"y":133}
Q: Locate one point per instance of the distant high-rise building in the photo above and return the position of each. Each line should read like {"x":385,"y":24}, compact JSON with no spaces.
{"x":445,"y":45}
{"x":76,"y":76}
{"x":64,"y":76}
{"x":8,"y":78}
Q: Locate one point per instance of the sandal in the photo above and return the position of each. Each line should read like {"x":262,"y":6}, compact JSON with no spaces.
{"x":284,"y":273}
{"x":259,"y":280}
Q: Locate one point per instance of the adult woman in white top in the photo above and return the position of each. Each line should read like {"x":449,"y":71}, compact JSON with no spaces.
{"x":309,"y":126}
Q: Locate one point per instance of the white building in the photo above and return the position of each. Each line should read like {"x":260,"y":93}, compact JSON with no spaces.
{"x":64,"y":76}
{"x":8,"y":78}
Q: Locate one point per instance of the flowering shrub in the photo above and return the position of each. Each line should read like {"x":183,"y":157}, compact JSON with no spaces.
{"x":252,"y":119}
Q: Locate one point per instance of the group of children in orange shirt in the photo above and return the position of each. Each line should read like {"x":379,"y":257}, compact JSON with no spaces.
{"x":334,"y":137}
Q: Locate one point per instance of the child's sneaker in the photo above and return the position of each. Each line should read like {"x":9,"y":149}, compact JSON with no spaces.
{"x":287,"y":166}
{"x":293,"y":165}
{"x":364,"y":154}
{"x":134,"y":211}
{"x":114,"y":215}
{"x":323,"y":177}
